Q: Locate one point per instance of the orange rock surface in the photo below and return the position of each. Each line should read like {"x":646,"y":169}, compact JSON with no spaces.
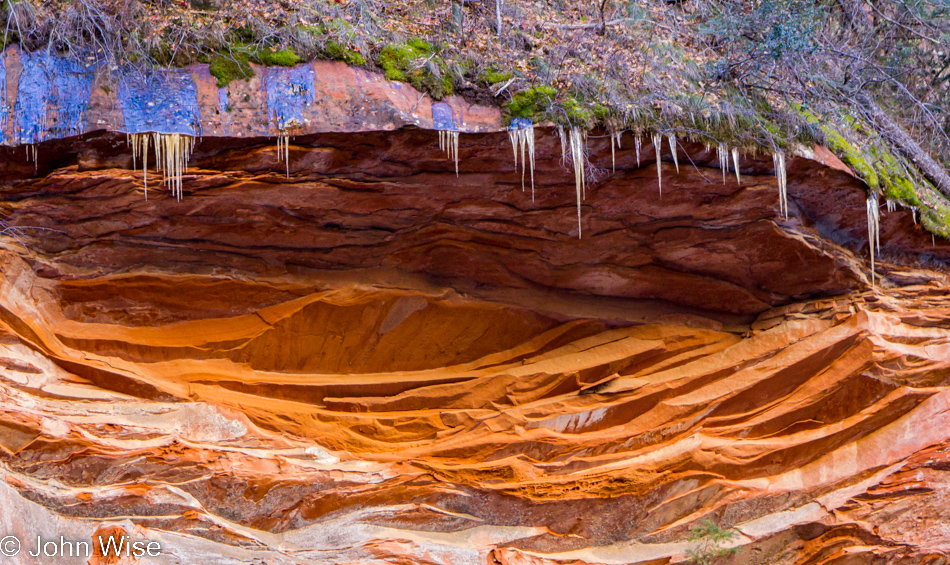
{"x":376,"y":361}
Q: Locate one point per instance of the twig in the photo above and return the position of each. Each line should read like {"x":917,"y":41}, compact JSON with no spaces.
{"x":604,"y":24}
{"x":424,"y":94}
{"x":504,"y":86}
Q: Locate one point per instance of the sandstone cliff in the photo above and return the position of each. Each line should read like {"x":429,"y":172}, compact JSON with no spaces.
{"x":371,"y":359}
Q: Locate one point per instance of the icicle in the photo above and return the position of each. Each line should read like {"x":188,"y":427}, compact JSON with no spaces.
{"x":283,"y":150}
{"x":614,"y":141}
{"x":638,"y":142}
{"x":778,"y":158}
{"x":521,"y":134}
{"x":577,"y":157}
{"x":139,"y":143}
{"x":657,"y":142}
{"x":672,"y":139}
{"x":891,"y":206}
{"x":145,"y":164}
{"x":613,"y":154}
{"x":31,"y":154}
{"x":874,"y":230}
{"x":561,"y":135}
{"x":449,"y":142}
{"x":735,"y":163}
{"x":723,"y":152}
{"x":529,"y":140}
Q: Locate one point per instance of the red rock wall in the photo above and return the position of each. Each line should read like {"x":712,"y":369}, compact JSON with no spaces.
{"x":374,"y":360}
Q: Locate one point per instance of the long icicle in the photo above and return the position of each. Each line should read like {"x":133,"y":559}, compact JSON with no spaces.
{"x":529,"y":138}
{"x":513,"y":137}
{"x":145,"y":163}
{"x":613,"y":153}
{"x":522,"y":142}
{"x":657,"y":143}
{"x":735,"y":163}
{"x":577,"y":156}
{"x":449,"y":142}
{"x":874,"y":230}
{"x":139,"y":143}
{"x":778,"y":158}
{"x":614,"y":138}
{"x":283,"y":150}
{"x":723,"y":152}
{"x":672,"y":140}
{"x":637,"y":143}
{"x":563,"y":137}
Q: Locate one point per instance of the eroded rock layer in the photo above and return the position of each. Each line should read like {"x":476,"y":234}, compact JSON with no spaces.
{"x":372,"y":360}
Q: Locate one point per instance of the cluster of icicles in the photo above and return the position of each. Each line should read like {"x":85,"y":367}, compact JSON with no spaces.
{"x":283,"y":150}
{"x":573,"y":150}
{"x":172,"y":151}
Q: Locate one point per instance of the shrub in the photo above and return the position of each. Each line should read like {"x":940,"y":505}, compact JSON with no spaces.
{"x":712,"y":540}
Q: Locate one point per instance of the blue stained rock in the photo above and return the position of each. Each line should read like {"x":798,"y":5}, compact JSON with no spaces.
{"x":223,"y":104}
{"x":443,"y":117}
{"x":3,"y":98}
{"x":223,"y":100}
{"x":520,"y":123}
{"x":52,"y":97}
{"x":289,"y":91}
{"x":161,"y":101}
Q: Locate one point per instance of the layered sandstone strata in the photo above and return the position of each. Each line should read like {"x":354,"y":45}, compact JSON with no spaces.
{"x":373,"y":360}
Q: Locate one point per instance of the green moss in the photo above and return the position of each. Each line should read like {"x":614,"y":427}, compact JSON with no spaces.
{"x":492,"y":76}
{"x":437,"y":86}
{"x":577,"y":114}
{"x":396,"y":58}
{"x":602,"y":113}
{"x":420,"y":45}
{"x":899,"y":188}
{"x":227,"y":68}
{"x":281,"y":58}
{"x":400,"y":61}
{"x":312,"y":29}
{"x":531,"y":103}
{"x":936,"y":221}
{"x":852,"y":157}
{"x":334,"y":50}
{"x":894,"y":178}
